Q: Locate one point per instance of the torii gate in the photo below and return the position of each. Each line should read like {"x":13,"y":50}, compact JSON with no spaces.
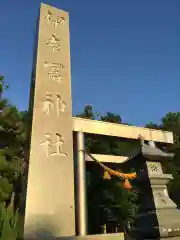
{"x":156,"y":208}
{"x":50,"y":209}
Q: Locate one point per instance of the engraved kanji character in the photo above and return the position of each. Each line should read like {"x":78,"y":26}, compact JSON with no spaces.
{"x":63,"y":20}
{"x":56,"y":77}
{"x":53,"y":42}
{"x":54,"y":70}
{"x":58,"y":144}
{"x":48,"y":104}
{"x":48,"y":17}
{"x":47,"y":143}
{"x":54,"y":66}
{"x":56,"y":23}
{"x":61,"y":105}
{"x":59,"y":20}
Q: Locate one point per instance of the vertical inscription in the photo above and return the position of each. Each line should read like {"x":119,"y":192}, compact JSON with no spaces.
{"x":54,"y":73}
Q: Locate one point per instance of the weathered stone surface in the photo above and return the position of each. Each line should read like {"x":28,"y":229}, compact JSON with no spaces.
{"x":50,"y":189}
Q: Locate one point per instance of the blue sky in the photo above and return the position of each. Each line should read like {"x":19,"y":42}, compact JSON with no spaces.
{"x":125,"y":55}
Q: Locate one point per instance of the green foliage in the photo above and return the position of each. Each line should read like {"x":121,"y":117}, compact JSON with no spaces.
{"x":3,"y":86}
{"x":153,"y":126}
{"x":88,"y":113}
{"x":8,"y":221}
{"x":171,"y":122}
{"x":12,"y":140}
{"x":110,"y":117}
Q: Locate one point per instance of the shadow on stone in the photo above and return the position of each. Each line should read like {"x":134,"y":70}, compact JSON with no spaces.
{"x":146,"y":222}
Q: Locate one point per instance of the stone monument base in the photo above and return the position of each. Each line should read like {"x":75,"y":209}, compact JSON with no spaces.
{"x":160,"y":223}
{"x":113,"y":236}
{"x":171,"y":238}
{"x":103,"y":237}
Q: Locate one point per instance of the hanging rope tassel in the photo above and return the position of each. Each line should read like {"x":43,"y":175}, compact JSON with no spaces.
{"x":108,"y":172}
{"x":127,"y":184}
{"x":106,"y":175}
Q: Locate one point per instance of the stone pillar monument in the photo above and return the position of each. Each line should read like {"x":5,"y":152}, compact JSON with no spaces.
{"x":49,"y":209}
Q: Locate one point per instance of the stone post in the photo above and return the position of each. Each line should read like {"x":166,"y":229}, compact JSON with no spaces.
{"x":158,"y":216}
{"x":49,"y":210}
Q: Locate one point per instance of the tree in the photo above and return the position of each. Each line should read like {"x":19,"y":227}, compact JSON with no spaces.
{"x":88,"y":113}
{"x":110,"y":117}
{"x":109,"y":202}
{"x":153,"y":126}
{"x":12,"y":139}
{"x":171,"y":122}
